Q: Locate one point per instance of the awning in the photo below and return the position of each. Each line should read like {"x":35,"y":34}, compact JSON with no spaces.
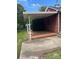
{"x":36,"y":15}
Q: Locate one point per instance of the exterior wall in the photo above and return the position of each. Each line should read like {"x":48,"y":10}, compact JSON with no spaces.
{"x":54,"y":24}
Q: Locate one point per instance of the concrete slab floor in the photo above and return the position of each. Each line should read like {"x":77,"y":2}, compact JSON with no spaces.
{"x":37,"y":47}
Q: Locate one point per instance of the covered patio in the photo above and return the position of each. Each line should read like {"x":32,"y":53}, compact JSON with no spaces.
{"x":42,"y":24}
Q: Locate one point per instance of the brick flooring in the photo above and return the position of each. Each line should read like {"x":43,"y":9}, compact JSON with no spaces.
{"x":36,"y":35}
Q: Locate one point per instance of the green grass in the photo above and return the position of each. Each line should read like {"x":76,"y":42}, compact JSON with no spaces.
{"x":21,"y":36}
{"x":54,"y":55}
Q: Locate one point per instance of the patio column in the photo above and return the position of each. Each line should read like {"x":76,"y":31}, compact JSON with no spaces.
{"x":29,"y":28}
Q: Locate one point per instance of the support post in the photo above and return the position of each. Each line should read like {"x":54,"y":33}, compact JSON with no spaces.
{"x":58,"y":23}
{"x":29,"y":28}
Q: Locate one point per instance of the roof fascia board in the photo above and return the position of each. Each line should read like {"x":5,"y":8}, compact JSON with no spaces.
{"x":40,"y":12}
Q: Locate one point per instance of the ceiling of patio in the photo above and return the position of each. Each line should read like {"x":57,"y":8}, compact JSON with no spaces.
{"x":37,"y":15}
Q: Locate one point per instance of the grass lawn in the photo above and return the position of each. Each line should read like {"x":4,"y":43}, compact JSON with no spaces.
{"x":21,"y":36}
{"x":54,"y":55}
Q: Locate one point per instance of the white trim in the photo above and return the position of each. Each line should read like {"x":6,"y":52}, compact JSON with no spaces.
{"x":46,"y":9}
{"x":50,"y":8}
{"x":28,"y":13}
{"x":54,"y":8}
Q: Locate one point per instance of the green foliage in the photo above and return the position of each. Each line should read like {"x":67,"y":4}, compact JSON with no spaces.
{"x":20,"y":8}
{"x":54,"y":55}
{"x":42,"y":8}
{"x":21,"y":36}
{"x":20,"y":18}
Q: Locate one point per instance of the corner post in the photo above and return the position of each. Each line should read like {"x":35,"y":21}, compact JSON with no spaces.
{"x":58,"y":23}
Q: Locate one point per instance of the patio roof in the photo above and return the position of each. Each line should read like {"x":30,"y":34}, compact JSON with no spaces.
{"x":36,"y":15}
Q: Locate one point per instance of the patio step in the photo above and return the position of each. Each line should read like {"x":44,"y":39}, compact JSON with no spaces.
{"x":43,"y":35}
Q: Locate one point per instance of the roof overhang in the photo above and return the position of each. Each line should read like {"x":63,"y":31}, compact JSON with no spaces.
{"x":37,"y":15}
